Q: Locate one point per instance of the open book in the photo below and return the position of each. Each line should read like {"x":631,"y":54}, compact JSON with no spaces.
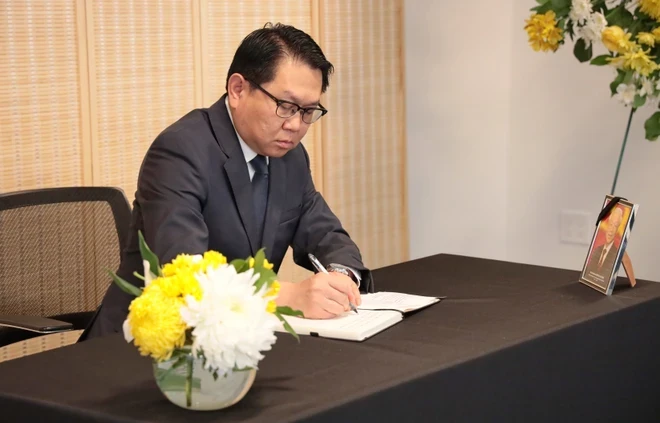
{"x":377,"y":312}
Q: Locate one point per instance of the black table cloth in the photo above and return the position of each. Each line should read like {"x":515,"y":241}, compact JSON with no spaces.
{"x":510,"y":343}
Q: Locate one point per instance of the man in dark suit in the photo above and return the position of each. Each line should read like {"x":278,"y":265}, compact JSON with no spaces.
{"x":234,"y":178}
{"x":602,"y":259}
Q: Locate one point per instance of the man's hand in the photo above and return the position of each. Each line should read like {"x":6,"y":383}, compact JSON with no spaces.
{"x":322,"y":296}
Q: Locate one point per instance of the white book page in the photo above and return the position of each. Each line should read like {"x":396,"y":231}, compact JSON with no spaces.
{"x":349,"y":325}
{"x":395,"y":301}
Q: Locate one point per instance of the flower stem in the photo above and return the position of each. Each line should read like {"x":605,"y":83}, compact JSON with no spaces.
{"x":623,"y":148}
{"x":189,"y":372}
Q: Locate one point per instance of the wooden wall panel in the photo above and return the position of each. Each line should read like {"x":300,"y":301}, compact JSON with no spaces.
{"x":41,"y":140}
{"x":142,"y":79}
{"x":364,"y":140}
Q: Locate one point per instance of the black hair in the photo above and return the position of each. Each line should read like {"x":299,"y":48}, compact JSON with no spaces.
{"x":261,"y":51}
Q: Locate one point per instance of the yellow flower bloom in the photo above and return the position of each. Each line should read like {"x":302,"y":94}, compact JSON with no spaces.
{"x":182,"y":284}
{"x":271,"y":307}
{"x":267,"y":265}
{"x":544,"y":35}
{"x":214,"y":259}
{"x":651,"y":8}
{"x":156,"y":323}
{"x":181,"y":262}
{"x":616,"y":40}
{"x":274,"y":289}
{"x":656,"y":34}
{"x":640,"y":62}
{"x":251,"y":262}
{"x":646,"y":38}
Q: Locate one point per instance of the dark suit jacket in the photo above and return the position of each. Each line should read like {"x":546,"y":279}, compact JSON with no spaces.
{"x":194,"y":194}
{"x":608,"y":264}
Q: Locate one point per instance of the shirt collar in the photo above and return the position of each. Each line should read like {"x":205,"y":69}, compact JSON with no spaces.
{"x":248,"y":153}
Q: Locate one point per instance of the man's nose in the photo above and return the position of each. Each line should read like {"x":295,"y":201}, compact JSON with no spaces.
{"x":293,"y":123}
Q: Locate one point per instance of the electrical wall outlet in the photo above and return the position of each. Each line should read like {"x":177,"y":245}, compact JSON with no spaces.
{"x":576,"y":227}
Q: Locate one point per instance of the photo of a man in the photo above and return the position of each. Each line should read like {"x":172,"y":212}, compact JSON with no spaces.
{"x":601,"y":264}
{"x":601,"y":261}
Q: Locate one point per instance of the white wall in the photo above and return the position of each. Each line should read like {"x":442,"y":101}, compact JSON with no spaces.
{"x":547,"y":138}
{"x":458,"y":82}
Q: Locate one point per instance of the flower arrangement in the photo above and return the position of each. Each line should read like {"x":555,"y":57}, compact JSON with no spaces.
{"x":629,"y":31}
{"x":200,"y":306}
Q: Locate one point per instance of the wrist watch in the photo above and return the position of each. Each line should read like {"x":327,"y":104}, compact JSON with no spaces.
{"x":345,"y":271}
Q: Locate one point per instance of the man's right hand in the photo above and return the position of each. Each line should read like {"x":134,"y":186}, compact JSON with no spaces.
{"x":322,"y":296}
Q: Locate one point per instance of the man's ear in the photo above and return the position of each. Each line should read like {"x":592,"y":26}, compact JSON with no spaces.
{"x":236,"y":89}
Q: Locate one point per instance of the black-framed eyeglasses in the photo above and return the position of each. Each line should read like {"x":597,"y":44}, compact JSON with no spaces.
{"x":286,"y":109}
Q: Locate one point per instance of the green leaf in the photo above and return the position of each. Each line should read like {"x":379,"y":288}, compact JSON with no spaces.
{"x":601,"y":60}
{"x":127,"y":287}
{"x":652,"y":127}
{"x":259,"y":260}
{"x":287,"y":326}
{"x":639,"y":101}
{"x":543,"y":8}
{"x":621,"y":17}
{"x":288,"y":311}
{"x":161,"y":374}
{"x":617,"y":81}
{"x":627,"y":79}
{"x":266,"y":277}
{"x":581,"y":51}
{"x":139,"y":276}
{"x":561,"y":4}
{"x":149,"y":256}
{"x":240,"y":265}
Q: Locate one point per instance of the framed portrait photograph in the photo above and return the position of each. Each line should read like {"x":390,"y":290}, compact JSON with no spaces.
{"x":608,"y":244}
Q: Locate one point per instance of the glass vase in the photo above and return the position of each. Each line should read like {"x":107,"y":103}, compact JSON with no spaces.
{"x":192,"y":387}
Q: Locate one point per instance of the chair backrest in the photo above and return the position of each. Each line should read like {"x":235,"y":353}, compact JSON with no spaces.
{"x":56,"y":246}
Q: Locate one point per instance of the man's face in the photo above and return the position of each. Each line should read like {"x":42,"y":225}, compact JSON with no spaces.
{"x":613,"y":224}
{"x":255,"y":115}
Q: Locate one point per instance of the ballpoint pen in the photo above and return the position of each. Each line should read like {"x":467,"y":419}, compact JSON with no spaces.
{"x":320,"y":268}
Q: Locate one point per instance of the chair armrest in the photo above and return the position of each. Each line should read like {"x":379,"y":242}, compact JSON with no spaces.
{"x":35,"y":324}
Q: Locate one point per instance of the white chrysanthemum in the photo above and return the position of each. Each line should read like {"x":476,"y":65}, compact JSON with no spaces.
{"x":625,"y":93}
{"x":580,"y":11}
{"x":126,"y":328}
{"x":592,"y":30}
{"x":231,"y":323}
{"x":646,"y":88}
{"x":631,"y":5}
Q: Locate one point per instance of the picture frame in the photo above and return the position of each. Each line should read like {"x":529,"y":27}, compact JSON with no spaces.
{"x":608,"y":245}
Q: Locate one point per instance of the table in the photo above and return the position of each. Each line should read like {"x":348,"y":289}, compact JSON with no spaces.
{"x":511,"y":343}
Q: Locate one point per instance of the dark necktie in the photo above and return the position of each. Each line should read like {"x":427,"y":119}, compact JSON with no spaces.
{"x":260,"y":193}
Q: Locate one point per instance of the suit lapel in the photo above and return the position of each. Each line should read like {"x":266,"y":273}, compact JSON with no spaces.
{"x":235,"y":168}
{"x":276,"y":191}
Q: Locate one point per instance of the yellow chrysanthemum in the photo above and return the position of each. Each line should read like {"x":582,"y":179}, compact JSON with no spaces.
{"x":214,"y":259}
{"x":640,"y":62}
{"x":651,"y":8}
{"x":616,"y":40}
{"x":646,"y":38}
{"x":180,"y":263}
{"x":267,"y":265}
{"x":180,"y":285}
{"x":156,"y":324}
{"x":271,"y":307}
{"x":656,"y":34}
{"x":274,"y":289}
{"x":544,"y":35}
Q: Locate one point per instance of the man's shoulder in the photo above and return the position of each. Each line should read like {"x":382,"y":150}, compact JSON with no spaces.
{"x":190,"y":127}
